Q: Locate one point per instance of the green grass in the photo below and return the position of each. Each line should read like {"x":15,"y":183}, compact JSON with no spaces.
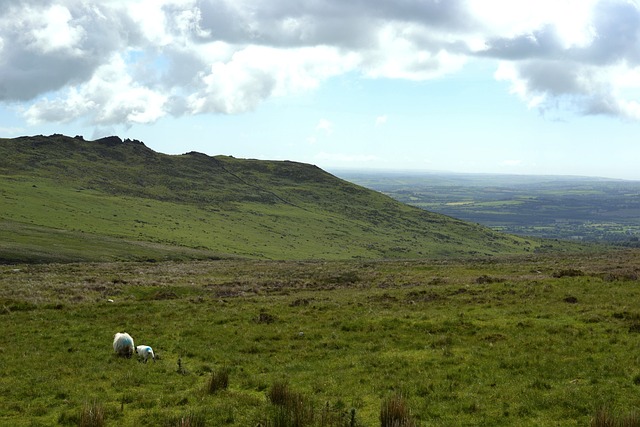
{"x":501,"y":341}
{"x":23,"y":243}
{"x":217,"y":206}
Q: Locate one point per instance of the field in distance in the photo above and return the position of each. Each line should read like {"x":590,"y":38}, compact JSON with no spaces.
{"x":536,"y":340}
{"x":588,"y":209}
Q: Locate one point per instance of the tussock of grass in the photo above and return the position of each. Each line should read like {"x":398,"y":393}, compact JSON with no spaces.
{"x":265,"y":318}
{"x":218,"y":381}
{"x":394,"y":412}
{"x":92,"y":415}
{"x":293,"y":409}
{"x":605,"y":417}
{"x":289,"y":408}
{"x":190,"y":420}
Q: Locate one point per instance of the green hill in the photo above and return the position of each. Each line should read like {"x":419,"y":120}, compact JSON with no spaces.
{"x":67,"y":199}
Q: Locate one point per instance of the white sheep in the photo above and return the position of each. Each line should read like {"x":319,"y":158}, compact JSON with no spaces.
{"x":123,"y":344}
{"x":144,"y":351}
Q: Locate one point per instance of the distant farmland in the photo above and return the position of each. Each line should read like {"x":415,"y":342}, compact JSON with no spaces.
{"x":588,"y":209}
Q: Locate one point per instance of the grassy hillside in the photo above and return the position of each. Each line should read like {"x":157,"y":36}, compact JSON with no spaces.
{"x":66,"y":198}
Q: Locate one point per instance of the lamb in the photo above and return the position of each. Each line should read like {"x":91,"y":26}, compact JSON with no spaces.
{"x":123,"y":344}
{"x":144,"y":351}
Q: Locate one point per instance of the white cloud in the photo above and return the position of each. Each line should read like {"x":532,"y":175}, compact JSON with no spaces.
{"x":57,"y":33}
{"x":224,"y":56}
{"x":583,"y":88}
{"x":255,"y":73}
{"x":575,"y":59}
{"x":508,"y":72}
{"x":409,"y":51}
{"x":54,"y":48}
{"x":381,"y":120}
{"x":150,"y":16}
{"x":110,"y":97}
{"x":511,"y":19}
{"x":325,"y":126}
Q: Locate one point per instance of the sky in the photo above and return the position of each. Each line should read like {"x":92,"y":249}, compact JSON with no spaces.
{"x":543,"y":87}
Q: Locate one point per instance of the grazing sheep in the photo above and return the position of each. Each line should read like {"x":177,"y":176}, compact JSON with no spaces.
{"x":144,"y":351}
{"x":123,"y":344}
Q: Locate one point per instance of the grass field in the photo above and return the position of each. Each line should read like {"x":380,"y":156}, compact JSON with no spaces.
{"x":209,"y":207}
{"x":536,"y":340}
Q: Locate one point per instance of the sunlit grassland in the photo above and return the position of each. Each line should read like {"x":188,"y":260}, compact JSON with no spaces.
{"x":241,"y":228}
{"x":30,"y":243}
{"x":477,"y":206}
{"x":219,"y":206}
{"x":539,"y":341}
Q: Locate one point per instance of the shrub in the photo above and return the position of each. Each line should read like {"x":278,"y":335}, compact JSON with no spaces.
{"x":395,"y":412}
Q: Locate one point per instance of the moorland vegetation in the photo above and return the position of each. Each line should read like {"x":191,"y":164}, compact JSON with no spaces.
{"x":112,"y":199}
{"x":539,"y":340}
{"x":276,"y":294}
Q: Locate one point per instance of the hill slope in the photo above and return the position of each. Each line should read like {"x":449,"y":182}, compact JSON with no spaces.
{"x":66,"y":198}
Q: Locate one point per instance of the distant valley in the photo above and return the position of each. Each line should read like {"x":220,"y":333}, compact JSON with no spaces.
{"x":558,"y":207}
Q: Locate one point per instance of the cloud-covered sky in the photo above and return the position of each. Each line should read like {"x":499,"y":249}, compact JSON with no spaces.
{"x":544,"y":86}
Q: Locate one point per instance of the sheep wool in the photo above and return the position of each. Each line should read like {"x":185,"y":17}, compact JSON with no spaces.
{"x":144,"y":352}
{"x":123,"y":344}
